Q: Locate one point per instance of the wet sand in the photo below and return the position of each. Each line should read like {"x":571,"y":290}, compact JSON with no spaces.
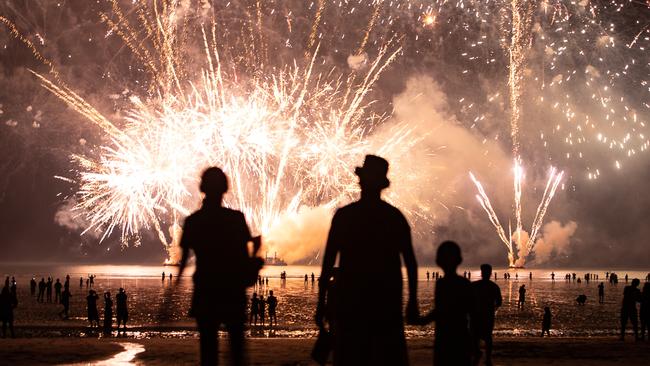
{"x":531,"y":351}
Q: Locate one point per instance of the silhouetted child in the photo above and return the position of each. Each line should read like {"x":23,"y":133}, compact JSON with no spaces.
{"x":255,"y":309}
{"x":65,"y":301}
{"x":93,"y":315}
{"x":453,"y":303}
{"x":108,"y":313}
{"x":546,"y":322}
{"x":645,"y":310}
{"x":272,"y":302}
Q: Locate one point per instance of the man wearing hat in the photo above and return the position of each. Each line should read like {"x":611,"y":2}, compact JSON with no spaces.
{"x":369,"y":236}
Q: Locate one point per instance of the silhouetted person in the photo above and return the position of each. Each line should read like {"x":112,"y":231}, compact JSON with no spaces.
{"x":65,"y":301}
{"x":121,"y":310}
{"x":631,"y":295}
{"x":57,"y":291}
{"x":454,"y":303}
{"x":32,"y":286}
{"x":488,"y":299}
{"x":369,"y":236}
{"x":108,"y":313}
{"x":546,"y":322}
{"x":601,"y":293}
{"x":93,"y":315}
{"x":87,"y":282}
{"x":41,"y":290}
{"x":581,"y":299}
{"x":530,"y":276}
{"x":313,"y":278}
{"x":48,"y":289}
{"x":522,"y":296}
{"x":272,"y":302}
{"x":553,"y":276}
{"x":92,"y":280}
{"x":428,"y":275}
{"x":306,"y":278}
{"x":170,"y":277}
{"x":262,"y":307}
{"x":162,"y":278}
{"x":81,"y":282}
{"x":219,"y":237}
{"x":255,"y":309}
{"x":645,"y":310}
{"x":8,"y":303}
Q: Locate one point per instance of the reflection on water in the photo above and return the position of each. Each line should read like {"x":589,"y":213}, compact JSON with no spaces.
{"x":149,"y":295}
{"x":126,"y":357}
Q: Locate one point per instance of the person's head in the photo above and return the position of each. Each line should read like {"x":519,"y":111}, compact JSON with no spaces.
{"x":448,"y":256}
{"x":636,"y":282}
{"x":486,"y":271}
{"x":214,"y":182}
{"x":121,"y":289}
{"x":271,"y":293}
{"x":372,"y":175}
{"x":547,"y":309}
{"x":254,"y":294}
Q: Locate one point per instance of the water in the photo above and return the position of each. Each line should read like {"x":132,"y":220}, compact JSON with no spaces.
{"x":149,"y":296}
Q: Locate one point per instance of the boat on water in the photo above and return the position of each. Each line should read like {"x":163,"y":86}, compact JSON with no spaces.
{"x":274,"y":261}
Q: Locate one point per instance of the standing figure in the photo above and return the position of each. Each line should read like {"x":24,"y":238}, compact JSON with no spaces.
{"x":93,"y":315}
{"x":553,"y":276}
{"x":546,"y":322}
{"x":272,"y":302}
{"x":601,"y":293}
{"x":81,"y":282}
{"x":645,"y":310}
{"x":488,"y":300}
{"x":162,"y":278}
{"x":8,"y":303}
{"x":32,"y":286}
{"x":428,"y":275}
{"x":41,"y":290}
{"x":522,"y":296}
{"x":631,"y":295}
{"x":454,"y":304}
{"x":108,"y":314}
{"x":219,"y":237}
{"x":255,"y":309}
{"x":57,"y":291}
{"x":369,"y":236}
{"x":65,"y":301}
{"x":48,"y":289}
{"x":122,"y":310}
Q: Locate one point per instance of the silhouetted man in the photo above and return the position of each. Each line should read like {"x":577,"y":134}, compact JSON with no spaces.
{"x":93,"y":315}
{"x":522,"y":297}
{"x":7,"y":304}
{"x":488,"y":299}
{"x":121,"y":310}
{"x":631,"y":295}
{"x":48,"y":289}
{"x":57,"y":291}
{"x":65,"y":301}
{"x":272,"y":302}
{"x":41,"y":290}
{"x":454,"y":303}
{"x":369,"y":236}
{"x":32,"y":286}
{"x":219,"y":238}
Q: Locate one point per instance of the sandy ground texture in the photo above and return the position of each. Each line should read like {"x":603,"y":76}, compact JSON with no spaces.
{"x":287,"y":351}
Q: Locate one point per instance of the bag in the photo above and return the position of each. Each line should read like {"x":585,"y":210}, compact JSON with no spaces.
{"x":322,"y":348}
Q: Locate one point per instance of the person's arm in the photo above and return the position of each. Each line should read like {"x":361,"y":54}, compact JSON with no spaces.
{"x":412,"y":311}
{"x":329,"y":258}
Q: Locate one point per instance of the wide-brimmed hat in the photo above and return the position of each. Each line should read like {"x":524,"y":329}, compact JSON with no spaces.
{"x":374,"y":171}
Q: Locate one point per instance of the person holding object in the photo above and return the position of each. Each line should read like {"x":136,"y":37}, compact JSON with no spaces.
{"x":370,"y":237}
{"x":219,"y":238}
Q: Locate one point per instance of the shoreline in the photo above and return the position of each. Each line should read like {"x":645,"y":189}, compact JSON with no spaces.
{"x":534,"y":351}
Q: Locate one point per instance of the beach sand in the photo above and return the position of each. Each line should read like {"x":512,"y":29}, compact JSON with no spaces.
{"x":594,"y":351}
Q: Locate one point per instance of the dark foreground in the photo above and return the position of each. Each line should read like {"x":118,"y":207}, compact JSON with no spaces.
{"x":287,"y":351}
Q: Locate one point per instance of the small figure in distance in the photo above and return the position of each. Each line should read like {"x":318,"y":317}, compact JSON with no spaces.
{"x":41,"y":290}
{"x":7,"y":304}
{"x":488,"y":298}
{"x":32,"y":286}
{"x":65,"y":301}
{"x":108,"y":314}
{"x":553,"y":276}
{"x":546,"y":322}
{"x":92,"y":280}
{"x":122,"y":310}
{"x":530,"y":276}
{"x":454,"y":303}
{"x":272,"y":302}
{"x":428,"y":275}
{"x":522,"y":297}
{"x":306,"y":278}
{"x":581,"y":299}
{"x":162,"y":278}
{"x":313,"y":278}
{"x":645,"y":310}
{"x":255,"y":309}
{"x":48,"y":289}
{"x":369,"y":236}
{"x":57,"y":291}
{"x":170,"y":277}
{"x":93,"y":314}
{"x":631,"y":295}
{"x":219,"y":238}
{"x":601,"y":293}
{"x":81,"y":282}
